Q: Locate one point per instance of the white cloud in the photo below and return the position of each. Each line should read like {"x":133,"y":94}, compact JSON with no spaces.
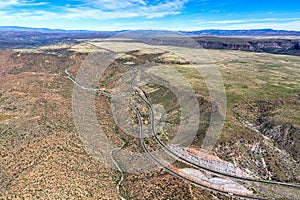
{"x":20,"y":11}
{"x":248,"y":23}
{"x":6,"y":3}
{"x":93,"y":9}
{"x":274,"y":23}
{"x":111,"y":9}
{"x":9,"y":3}
{"x":127,"y":26}
{"x":219,"y":22}
{"x":291,"y":25}
{"x":115,"y":4}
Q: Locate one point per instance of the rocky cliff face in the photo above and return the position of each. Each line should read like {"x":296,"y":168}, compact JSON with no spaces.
{"x":275,"y":155}
{"x":222,"y":45}
{"x":279,"y":46}
{"x":286,"y":136}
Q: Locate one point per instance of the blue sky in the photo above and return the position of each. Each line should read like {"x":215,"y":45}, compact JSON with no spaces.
{"x":151,"y":14}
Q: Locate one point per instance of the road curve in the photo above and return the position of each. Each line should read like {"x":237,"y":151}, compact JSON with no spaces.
{"x":175,"y":173}
{"x":170,"y":151}
{"x":176,"y":156}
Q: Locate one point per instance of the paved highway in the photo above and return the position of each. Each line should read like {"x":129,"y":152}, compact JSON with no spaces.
{"x":177,"y":156}
{"x":175,"y":173}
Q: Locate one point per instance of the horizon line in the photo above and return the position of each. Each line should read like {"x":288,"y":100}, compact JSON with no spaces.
{"x":150,"y":29}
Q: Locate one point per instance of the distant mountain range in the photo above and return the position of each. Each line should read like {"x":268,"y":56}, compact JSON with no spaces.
{"x":41,"y":30}
{"x":254,"y":32}
{"x":13,"y":37}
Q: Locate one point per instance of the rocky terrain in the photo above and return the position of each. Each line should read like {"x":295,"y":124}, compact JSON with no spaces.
{"x":43,"y":157}
{"x":285,"y":135}
{"x":277,"y":46}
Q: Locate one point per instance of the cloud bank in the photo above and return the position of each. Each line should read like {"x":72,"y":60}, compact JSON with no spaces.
{"x":89,"y":9}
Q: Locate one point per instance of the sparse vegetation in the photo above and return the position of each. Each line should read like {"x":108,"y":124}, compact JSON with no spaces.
{"x":42,"y":155}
